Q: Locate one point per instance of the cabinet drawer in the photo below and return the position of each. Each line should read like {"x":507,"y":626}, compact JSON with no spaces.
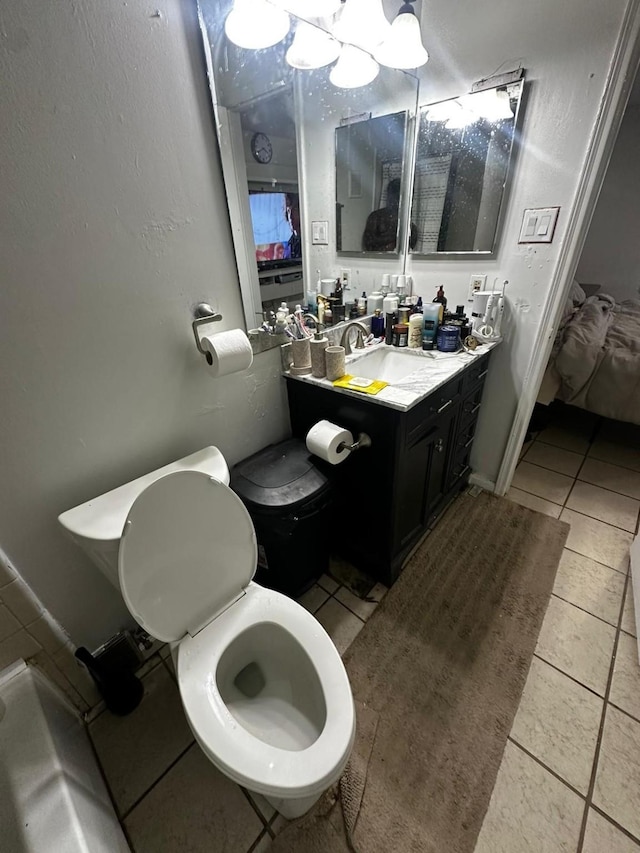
{"x":471,"y":407}
{"x":476,"y":373}
{"x":439,"y":403}
{"x":460,"y":466}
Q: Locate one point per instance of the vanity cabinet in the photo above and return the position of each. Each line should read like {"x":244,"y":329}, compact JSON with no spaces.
{"x":386,"y":496}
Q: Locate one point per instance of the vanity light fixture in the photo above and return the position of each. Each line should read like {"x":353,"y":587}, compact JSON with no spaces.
{"x":354,"y":68}
{"x":256,"y":24}
{"x":362,"y":23}
{"x":492,"y":104}
{"x":310,"y":8}
{"x":403,"y":48}
{"x":312,"y":47}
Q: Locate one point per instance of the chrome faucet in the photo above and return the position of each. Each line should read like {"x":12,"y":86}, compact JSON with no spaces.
{"x":363,"y":332}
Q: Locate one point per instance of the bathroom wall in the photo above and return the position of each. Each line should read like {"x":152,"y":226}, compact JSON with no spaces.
{"x":611,"y":255}
{"x":566,"y":50}
{"x":113,"y":225}
{"x":28,"y":631}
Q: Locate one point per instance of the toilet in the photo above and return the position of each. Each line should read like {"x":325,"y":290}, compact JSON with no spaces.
{"x":262,"y":685}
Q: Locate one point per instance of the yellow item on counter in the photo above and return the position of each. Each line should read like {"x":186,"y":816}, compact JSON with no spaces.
{"x":358,"y":383}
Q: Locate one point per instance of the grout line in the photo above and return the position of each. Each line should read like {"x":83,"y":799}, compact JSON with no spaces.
{"x":128,"y":812}
{"x":254,"y":806}
{"x":593,"y":518}
{"x":570,"y":677}
{"x":622,"y":710}
{"x":596,"y":757}
{"x":116,"y":811}
{"x":584,"y":610}
{"x":604,"y":565}
{"x":619,"y":826}
{"x":546,"y":767}
{"x":255,"y":844}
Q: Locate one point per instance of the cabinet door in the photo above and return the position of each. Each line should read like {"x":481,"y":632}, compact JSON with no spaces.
{"x":421,"y":482}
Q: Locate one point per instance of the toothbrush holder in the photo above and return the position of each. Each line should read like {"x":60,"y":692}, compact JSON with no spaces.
{"x":335,"y":363}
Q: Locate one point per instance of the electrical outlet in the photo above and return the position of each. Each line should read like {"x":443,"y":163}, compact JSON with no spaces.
{"x":345,"y":278}
{"x":476,"y":283}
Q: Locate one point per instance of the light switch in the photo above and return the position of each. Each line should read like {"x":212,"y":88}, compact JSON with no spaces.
{"x":320,"y":232}
{"x":539,"y":225}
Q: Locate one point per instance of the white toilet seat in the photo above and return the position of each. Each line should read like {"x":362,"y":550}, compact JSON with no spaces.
{"x":241,"y":755}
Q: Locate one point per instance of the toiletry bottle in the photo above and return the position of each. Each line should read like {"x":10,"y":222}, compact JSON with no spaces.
{"x":377,"y":324}
{"x":312,"y":301}
{"x":389,"y":322}
{"x":374,"y":300}
{"x":442,"y":300}
{"x":417,"y":308}
{"x":362,"y":305}
{"x":385,"y":284}
{"x":328,"y":314}
{"x":430,"y":327}
{"x":281,"y":318}
{"x":416,"y":324}
{"x":400,"y":336}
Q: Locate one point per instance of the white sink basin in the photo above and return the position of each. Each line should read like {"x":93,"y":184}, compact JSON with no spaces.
{"x":388,"y":365}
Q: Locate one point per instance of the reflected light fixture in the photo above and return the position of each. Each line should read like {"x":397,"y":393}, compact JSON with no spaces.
{"x":354,"y":68}
{"x":492,"y":104}
{"x":256,"y":24}
{"x":459,"y":117}
{"x":310,"y":8}
{"x":362,"y":23}
{"x":312,"y":47}
{"x":403,"y":48}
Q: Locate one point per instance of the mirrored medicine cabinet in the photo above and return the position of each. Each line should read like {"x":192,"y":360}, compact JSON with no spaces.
{"x":314,"y":173}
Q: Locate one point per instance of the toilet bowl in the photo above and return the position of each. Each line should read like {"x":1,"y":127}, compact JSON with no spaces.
{"x":262,"y":685}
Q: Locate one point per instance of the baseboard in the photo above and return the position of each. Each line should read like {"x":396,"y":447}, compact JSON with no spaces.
{"x":482,"y":482}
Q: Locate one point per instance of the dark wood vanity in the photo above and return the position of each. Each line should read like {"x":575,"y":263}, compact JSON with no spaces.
{"x":386,"y":496}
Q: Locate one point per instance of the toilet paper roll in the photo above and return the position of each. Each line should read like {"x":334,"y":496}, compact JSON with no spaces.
{"x":227,"y":352}
{"x":324,"y":439}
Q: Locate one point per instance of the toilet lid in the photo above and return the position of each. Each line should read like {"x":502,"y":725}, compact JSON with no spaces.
{"x":187,"y":552}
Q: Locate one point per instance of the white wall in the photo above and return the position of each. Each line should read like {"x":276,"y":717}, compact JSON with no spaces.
{"x":113,"y":226}
{"x":611,"y":255}
{"x":566,"y":49}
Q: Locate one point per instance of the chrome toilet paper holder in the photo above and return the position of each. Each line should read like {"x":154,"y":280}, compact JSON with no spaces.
{"x":203,"y":314}
{"x":363,"y":441}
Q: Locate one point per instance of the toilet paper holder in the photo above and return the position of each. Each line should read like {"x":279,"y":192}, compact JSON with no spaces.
{"x":363,"y":441}
{"x":203,"y":314}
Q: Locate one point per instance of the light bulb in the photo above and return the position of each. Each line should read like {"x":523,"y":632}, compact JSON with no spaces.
{"x":441,"y":112}
{"x":255,"y":24}
{"x":460,"y":117}
{"x":354,"y":68}
{"x":312,"y":48}
{"x":403,"y":46}
{"x":362,"y":23}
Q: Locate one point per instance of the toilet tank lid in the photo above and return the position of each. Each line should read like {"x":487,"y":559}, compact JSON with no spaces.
{"x":103,"y":518}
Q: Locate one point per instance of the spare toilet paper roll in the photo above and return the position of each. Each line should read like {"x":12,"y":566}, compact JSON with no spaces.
{"x":324,"y":439}
{"x":227,"y":352}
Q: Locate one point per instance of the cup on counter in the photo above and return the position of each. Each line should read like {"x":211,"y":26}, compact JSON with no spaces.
{"x":335,"y":363}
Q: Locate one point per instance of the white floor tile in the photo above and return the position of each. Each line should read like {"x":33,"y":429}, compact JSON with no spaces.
{"x":530,"y":810}
{"x":612,"y":477}
{"x":328,"y":583}
{"x":618,"y":776}
{"x":137,"y":749}
{"x":534,"y":502}
{"x":356,"y":605}
{"x":339,"y":623}
{"x":625,"y":687}
{"x":590,"y":585}
{"x":615,"y":453}
{"x":577,"y":643}
{"x":554,"y":458}
{"x":264,"y":807}
{"x":604,"y":505}
{"x":600,"y":541}
{"x":558,"y":722}
{"x":567,"y":437}
{"x":194,"y":808}
{"x":542,"y":482}
{"x":313,"y":598}
{"x":603,"y":837}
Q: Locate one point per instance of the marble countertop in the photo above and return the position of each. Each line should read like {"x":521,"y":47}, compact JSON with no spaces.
{"x":433,"y":369}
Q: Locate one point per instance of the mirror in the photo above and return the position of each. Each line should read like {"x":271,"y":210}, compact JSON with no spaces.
{"x":369,"y":170}
{"x":463,"y":155}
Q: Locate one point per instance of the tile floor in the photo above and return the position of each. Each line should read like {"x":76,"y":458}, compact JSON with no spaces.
{"x":570,"y":776}
{"x":168,"y":796}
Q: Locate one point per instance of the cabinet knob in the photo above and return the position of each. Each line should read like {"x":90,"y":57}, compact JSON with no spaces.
{"x":439,"y":445}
